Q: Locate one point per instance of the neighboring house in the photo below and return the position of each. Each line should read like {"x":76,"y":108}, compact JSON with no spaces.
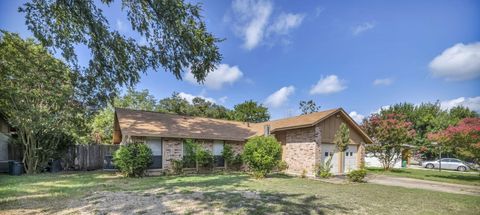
{"x":306,"y":140}
{"x":4,"y":138}
{"x":404,"y":160}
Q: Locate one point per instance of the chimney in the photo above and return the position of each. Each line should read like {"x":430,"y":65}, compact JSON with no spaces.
{"x":266,"y":130}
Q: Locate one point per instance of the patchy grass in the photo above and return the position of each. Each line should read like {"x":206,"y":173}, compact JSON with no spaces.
{"x":101,"y":193}
{"x":443,"y":176}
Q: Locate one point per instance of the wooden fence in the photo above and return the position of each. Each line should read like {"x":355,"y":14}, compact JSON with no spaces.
{"x":88,"y":157}
{"x":77,"y":157}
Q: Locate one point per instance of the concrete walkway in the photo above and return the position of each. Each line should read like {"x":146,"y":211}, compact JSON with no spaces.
{"x":424,"y":184}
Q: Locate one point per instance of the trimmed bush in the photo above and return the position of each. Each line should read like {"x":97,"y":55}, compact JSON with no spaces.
{"x":133,"y":159}
{"x":357,"y":175}
{"x":262,"y":154}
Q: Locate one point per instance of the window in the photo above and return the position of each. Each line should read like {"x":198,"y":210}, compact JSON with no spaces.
{"x":217,"y":153}
{"x":456,"y":161}
{"x":351,"y":153}
{"x":326,"y":154}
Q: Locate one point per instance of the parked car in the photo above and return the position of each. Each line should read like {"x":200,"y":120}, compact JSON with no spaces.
{"x":447,"y":163}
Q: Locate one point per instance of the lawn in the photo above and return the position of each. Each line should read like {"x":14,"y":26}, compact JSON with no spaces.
{"x":432,"y":175}
{"x":102,"y":193}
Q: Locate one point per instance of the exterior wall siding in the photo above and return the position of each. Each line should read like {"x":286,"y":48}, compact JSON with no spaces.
{"x":300,"y":151}
{"x":173,"y":148}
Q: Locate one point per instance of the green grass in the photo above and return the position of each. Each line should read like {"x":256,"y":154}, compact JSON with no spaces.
{"x":432,"y":175}
{"x":49,"y":193}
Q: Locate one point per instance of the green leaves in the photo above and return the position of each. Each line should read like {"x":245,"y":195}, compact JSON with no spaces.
{"x":174,"y":38}
{"x":262,"y":154}
{"x":133,"y":159}
{"x":342,"y":138}
{"x":250,"y":111}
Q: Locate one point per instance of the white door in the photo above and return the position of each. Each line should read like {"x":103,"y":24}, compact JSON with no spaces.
{"x":351,"y":158}
{"x":328,"y":150}
{"x":155,"y":145}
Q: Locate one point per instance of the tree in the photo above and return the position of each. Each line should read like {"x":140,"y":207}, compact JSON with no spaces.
{"x":37,"y":98}
{"x":389,"y":132}
{"x":463,"y":139}
{"x":250,"y":111}
{"x":427,"y":118}
{"x":170,"y":35}
{"x":262,"y":154}
{"x":102,"y":123}
{"x":341,"y":140}
{"x":308,"y":107}
{"x":174,"y":104}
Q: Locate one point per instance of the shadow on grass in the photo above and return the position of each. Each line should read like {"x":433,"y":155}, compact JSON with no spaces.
{"x":219,"y":192}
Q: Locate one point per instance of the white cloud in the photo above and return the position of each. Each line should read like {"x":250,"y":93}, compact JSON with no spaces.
{"x":190,"y":97}
{"x":459,"y":62}
{"x":279,"y":97}
{"x":356,"y":116}
{"x":328,"y":85}
{"x":120,"y":25}
{"x":385,"y":81}
{"x":223,"y":74}
{"x":357,"y":30}
{"x":223,"y":99}
{"x":473,"y":103}
{"x":380,"y":109}
{"x":253,"y":18}
{"x":285,"y":22}
{"x":252,"y":22}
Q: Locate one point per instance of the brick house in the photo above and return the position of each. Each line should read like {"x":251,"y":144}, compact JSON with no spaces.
{"x":306,"y":140}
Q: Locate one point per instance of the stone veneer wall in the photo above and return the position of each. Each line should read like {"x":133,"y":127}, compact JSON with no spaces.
{"x":301,"y":151}
{"x":172,"y":150}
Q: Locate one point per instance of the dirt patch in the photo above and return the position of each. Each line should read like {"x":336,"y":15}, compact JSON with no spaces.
{"x":155,"y":201}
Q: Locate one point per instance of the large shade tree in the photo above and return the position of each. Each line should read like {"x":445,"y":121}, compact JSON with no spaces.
{"x":250,"y":111}
{"x":37,"y":98}
{"x":462,"y":138}
{"x":166,"y":34}
{"x":389,"y":133}
{"x":102,"y":122}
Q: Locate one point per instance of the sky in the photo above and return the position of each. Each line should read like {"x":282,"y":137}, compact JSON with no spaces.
{"x":358,"y":55}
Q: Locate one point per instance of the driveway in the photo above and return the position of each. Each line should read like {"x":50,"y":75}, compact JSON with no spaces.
{"x":424,"y":184}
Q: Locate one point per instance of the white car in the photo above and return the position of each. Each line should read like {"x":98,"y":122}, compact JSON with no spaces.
{"x":447,"y":163}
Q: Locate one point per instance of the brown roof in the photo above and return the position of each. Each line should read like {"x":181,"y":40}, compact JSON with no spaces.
{"x":146,"y":123}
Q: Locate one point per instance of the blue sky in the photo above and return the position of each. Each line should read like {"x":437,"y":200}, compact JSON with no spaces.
{"x":359,"y":55}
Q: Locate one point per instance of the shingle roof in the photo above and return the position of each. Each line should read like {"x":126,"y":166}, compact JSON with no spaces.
{"x":147,"y":123}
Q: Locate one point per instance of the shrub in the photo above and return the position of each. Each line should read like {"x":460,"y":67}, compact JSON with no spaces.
{"x":357,"y":175}
{"x":232,"y":160}
{"x":282,"y":166}
{"x":177,"y":166}
{"x":323,"y":169}
{"x":262,"y":154}
{"x":204,"y":158}
{"x":133,"y":159}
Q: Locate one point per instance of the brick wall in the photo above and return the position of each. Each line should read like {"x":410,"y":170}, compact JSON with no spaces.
{"x":301,"y":151}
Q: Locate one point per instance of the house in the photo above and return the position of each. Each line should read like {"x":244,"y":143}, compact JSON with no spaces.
{"x":306,"y":140}
{"x":4,"y":138}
